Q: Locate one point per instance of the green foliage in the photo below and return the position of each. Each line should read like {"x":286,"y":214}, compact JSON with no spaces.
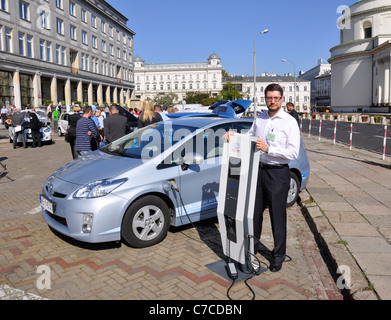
{"x":229,"y":92}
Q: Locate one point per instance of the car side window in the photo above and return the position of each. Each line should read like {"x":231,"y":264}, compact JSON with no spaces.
{"x":209,"y":143}
{"x":242,"y":127}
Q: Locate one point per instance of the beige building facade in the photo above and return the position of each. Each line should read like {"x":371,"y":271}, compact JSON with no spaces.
{"x":64,"y":51}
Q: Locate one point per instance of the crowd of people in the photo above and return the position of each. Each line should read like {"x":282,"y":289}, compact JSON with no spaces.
{"x":88,"y":126}
{"x":91,"y":127}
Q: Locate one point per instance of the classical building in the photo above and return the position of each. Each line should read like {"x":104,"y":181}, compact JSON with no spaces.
{"x":177,"y":78}
{"x":320,"y":77}
{"x":245,"y":86}
{"x":64,"y":51}
{"x":360,"y":64}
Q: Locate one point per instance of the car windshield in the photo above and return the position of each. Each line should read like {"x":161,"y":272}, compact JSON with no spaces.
{"x":148,"y":142}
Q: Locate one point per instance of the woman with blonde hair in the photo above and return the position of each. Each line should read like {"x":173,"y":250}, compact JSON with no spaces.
{"x":148,"y":116}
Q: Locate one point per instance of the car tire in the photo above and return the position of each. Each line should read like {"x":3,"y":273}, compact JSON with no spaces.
{"x":294,"y":190}
{"x":59,"y":132}
{"x":146,"y":222}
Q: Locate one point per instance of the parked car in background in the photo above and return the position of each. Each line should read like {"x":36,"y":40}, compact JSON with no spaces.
{"x":46,"y":131}
{"x":165,"y":174}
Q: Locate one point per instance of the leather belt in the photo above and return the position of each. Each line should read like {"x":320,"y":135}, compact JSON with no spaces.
{"x":272,"y":166}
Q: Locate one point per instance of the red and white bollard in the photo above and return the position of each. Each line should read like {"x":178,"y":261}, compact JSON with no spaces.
{"x":301,"y":126}
{"x":351,"y":136}
{"x":385,"y":142}
{"x":335,"y":131}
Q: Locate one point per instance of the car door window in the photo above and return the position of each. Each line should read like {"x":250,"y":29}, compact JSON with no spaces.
{"x":242,"y":127}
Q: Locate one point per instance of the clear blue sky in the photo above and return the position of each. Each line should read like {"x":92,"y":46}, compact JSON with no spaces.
{"x":170,"y":31}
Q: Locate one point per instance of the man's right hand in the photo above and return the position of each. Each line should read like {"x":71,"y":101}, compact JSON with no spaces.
{"x":228,"y":135}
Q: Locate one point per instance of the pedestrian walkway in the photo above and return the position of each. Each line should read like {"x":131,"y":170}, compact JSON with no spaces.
{"x":351,"y":214}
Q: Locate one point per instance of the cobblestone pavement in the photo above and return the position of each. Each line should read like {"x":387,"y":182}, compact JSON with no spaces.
{"x":175,"y":269}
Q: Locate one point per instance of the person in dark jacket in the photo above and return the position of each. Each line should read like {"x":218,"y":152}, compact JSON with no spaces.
{"x":148,"y":116}
{"x":18,"y":122}
{"x":115,"y":126}
{"x":291,"y":110}
{"x":35,"y":124}
{"x":71,"y":134}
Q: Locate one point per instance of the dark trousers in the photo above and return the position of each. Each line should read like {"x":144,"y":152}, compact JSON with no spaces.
{"x":272,"y":191}
{"x":16,"y":135}
{"x":36,"y":136}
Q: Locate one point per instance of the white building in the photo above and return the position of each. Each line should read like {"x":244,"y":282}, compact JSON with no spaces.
{"x":245,"y":86}
{"x":177,"y":78}
{"x":320,"y":77}
{"x":360,"y":64}
{"x":64,"y":50}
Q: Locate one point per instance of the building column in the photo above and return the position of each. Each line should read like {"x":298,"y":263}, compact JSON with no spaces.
{"x":90,"y":94}
{"x":68,"y":93}
{"x":121,"y":97}
{"x":386,"y":90}
{"x":100,"y":95}
{"x":115,"y":94}
{"x":53,"y":90}
{"x":128,"y":98}
{"x":108,"y":95}
{"x":17,"y":93}
{"x":80,"y":91}
{"x":37,"y":90}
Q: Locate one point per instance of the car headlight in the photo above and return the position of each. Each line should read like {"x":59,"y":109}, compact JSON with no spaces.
{"x":98,"y":188}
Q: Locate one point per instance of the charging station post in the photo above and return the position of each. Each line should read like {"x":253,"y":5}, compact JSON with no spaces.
{"x":235,"y":209}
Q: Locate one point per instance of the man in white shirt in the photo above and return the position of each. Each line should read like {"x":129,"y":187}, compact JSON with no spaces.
{"x":279,"y":140}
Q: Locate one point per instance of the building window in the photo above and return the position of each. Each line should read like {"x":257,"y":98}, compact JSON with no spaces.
{"x":29,"y":46}
{"x":21,"y":43}
{"x":72,"y":9}
{"x":84,"y":15}
{"x":111,"y":50}
{"x":104,"y":46}
{"x":93,"y":21}
{"x":58,"y":54}
{"x":73,"y":32}
{"x":60,"y":26}
{"x":367,"y":30}
{"x":59,"y":4}
{"x":48,"y":51}
{"x":103,"y":27}
{"x":63,"y":61}
{"x":94,"y":44}
{"x":84,"y":38}
{"x":44,"y":20}
{"x":42,"y":49}
{"x":23,"y":10}
{"x":8,"y":40}
{"x":3,"y":5}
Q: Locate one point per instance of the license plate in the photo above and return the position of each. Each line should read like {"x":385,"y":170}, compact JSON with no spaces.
{"x":47,"y":205}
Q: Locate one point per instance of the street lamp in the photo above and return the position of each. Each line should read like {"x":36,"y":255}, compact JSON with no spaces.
{"x":255,"y":73}
{"x":294,"y":67}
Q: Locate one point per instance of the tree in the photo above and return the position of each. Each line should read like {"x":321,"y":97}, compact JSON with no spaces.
{"x":229,"y":92}
{"x":166,"y":100}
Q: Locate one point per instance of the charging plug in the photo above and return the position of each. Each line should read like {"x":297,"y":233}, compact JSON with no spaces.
{"x":232,"y":271}
{"x":174,"y":186}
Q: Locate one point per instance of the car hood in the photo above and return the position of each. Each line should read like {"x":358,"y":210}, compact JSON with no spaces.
{"x":95,"y":166}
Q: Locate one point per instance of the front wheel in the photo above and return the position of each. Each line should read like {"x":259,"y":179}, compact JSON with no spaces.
{"x":294,"y":190}
{"x":146,"y":222}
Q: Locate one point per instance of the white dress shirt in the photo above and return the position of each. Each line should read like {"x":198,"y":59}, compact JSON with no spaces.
{"x":281,"y":133}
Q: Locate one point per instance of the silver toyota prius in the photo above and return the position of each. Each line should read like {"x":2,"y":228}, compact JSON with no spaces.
{"x":133,"y":189}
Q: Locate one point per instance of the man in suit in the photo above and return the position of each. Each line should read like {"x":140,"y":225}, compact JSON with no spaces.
{"x":291,"y":110}
{"x":35,"y":124}
{"x":115,"y":126}
{"x":279,"y":140}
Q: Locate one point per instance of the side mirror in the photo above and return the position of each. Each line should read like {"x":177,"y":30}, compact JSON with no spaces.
{"x":192,"y":159}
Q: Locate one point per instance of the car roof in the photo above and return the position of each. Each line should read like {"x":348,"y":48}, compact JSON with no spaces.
{"x":199,"y":122}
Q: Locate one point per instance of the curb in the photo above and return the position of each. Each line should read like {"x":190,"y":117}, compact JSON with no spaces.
{"x":339,"y":255}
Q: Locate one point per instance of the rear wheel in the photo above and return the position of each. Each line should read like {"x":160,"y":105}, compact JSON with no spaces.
{"x":294,"y":190}
{"x":146,"y":222}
